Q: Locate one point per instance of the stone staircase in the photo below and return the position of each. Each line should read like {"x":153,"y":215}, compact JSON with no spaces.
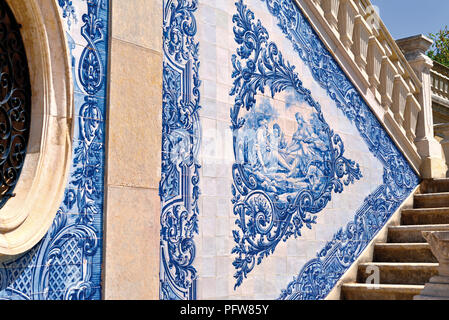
{"x":405,"y":262}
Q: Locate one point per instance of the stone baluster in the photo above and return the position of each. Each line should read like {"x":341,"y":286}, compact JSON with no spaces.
{"x":400,"y":91}
{"x":386,"y":82}
{"x":432,"y":164}
{"x":361,"y":7}
{"x":346,"y":17}
{"x":398,"y":65}
{"x":361,"y":40}
{"x":330,"y":8}
{"x":412,"y":110}
{"x":438,"y":286}
{"x":435,"y":83}
{"x":440,"y":84}
{"x":445,"y":87}
{"x":411,"y":84}
{"x":375,"y":54}
{"x":371,"y":18}
{"x":386,"y":46}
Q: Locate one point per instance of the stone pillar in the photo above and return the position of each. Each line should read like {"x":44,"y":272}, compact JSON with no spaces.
{"x":134,"y":135}
{"x":438,"y":287}
{"x":432,"y":165}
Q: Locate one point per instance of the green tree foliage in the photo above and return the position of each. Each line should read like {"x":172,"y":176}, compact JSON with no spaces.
{"x":440,"y":48}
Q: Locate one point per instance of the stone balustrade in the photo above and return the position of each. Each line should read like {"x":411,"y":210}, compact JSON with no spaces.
{"x":440,"y":105}
{"x":440,"y":83}
{"x":390,"y":74}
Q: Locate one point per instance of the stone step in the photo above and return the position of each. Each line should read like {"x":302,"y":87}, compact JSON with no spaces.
{"x":362,"y":291}
{"x":420,"y":297}
{"x":397,"y":273}
{"x":437,"y":289}
{"x":403,"y":252}
{"x":413,"y":233}
{"x":425,"y":216}
{"x":431,"y":200}
{"x":405,"y":263}
{"x":435,"y":186}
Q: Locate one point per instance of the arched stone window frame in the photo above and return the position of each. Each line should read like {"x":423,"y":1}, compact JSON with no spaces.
{"x":26,"y":218}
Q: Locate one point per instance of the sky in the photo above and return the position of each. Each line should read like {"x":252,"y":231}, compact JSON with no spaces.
{"x":405,"y":18}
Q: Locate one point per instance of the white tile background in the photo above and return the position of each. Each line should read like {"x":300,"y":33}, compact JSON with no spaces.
{"x":215,"y":241}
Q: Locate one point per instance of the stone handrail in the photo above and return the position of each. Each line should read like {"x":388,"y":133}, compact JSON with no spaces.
{"x":390,"y":74}
{"x":440,"y":81}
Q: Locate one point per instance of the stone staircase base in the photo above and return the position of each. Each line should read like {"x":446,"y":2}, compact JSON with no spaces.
{"x":405,"y":263}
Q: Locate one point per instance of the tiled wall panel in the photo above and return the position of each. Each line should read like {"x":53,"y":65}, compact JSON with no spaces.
{"x":66,"y":263}
{"x":275,"y":173}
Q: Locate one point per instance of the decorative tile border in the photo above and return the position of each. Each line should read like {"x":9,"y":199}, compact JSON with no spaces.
{"x":319,"y":276}
{"x":66,"y":264}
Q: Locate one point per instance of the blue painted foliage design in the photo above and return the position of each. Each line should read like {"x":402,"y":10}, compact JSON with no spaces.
{"x":68,"y":11}
{"x":279,"y":186}
{"x":319,"y":276}
{"x":179,"y":185}
{"x":66,"y":264}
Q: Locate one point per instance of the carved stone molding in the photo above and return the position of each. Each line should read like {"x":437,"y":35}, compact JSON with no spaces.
{"x":438,"y":287}
{"x":26,"y":218}
{"x":439,"y":244}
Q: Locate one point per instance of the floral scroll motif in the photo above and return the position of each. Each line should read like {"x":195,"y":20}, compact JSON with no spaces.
{"x":179,"y":185}
{"x":68,"y":11}
{"x":66,"y":264}
{"x":319,"y":276}
{"x":279,"y":186}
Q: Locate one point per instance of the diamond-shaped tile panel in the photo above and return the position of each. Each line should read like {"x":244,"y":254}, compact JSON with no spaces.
{"x":21,"y":272}
{"x":22,"y":281}
{"x":66,"y":270}
{"x":24,"y":261}
{"x":56,"y":283}
{"x":72,"y":253}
